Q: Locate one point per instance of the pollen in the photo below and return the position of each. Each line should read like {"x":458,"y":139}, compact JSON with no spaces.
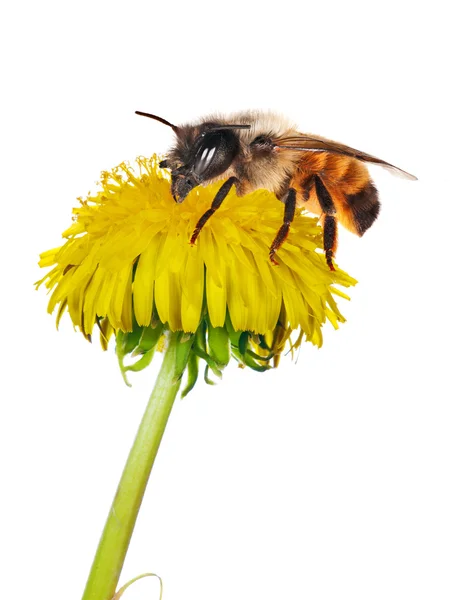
{"x":127,"y":263}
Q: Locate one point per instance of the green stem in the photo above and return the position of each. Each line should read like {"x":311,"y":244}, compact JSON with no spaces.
{"x":117,"y":533}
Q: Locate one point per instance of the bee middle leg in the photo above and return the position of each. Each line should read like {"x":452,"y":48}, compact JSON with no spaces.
{"x":217,"y":202}
{"x":289,"y":211}
{"x":330,"y":222}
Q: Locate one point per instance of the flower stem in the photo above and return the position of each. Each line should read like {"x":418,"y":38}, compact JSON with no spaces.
{"x":117,"y":533}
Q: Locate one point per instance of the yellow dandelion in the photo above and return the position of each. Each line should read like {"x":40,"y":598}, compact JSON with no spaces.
{"x":127,"y":269}
{"x":127,"y":266}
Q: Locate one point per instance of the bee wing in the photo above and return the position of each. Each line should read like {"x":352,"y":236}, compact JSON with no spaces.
{"x":308,"y":143}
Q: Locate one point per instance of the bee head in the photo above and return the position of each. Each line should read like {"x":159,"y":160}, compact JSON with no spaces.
{"x":208,"y":157}
{"x":201,"y":154}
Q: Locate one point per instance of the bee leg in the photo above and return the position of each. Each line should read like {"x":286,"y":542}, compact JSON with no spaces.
{"x":325,"y":200}
{"x":330,"y":222}
{"x":163,"y":164}
{"x":307,"y":187}
{"x":217,"y":201}
{"x":289,"y":210}
{"x":330,"y":239}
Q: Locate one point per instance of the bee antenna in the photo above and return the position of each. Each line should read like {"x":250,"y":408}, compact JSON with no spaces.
{"x":218,"y":127}
{"x":156,"y":118}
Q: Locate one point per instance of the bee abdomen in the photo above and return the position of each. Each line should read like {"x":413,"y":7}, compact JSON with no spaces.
{"x":364,"y":206}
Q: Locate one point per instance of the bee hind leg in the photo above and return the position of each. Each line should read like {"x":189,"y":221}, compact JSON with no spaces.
{"x":289,"y":211}
{"x":217,"y":202}
{"x":330,"y":222}
{"x":330,"y":239}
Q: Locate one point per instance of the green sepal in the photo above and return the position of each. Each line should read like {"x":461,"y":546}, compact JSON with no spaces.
{"x":258,"y":356}
{"x":209,"y":360}
{"x":243,"y":342}
{"x":207,"y":379}
{"x":249,"y":362}
{"x":141,"y":341}
{"x":127,"y":341}
{"x":219,"y":344}
{"x":192,"y":374}
{"x":200,"y":349}
{"x":201,"y":336}
{"x":233,"y":335}
{"x":149,"y":339}
{"x":183,"y":350}
{"x":123,"y":343}
{"x":143,"y":362}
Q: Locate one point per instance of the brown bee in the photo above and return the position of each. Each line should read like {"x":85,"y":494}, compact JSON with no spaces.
{"x":254,"y":150}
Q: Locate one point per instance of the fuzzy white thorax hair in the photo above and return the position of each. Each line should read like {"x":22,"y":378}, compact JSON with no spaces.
{"x":266,"y":123}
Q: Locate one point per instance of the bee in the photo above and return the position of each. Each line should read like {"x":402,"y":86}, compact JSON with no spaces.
{"x":254,"y":150}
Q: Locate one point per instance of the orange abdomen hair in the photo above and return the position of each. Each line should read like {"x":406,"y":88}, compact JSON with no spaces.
{"x":348,"y":182}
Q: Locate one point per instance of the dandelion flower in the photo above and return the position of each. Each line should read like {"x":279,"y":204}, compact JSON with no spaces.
{"x":128,"y":268}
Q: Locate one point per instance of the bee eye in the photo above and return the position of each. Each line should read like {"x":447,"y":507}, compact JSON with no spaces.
{"x":204,"y":160}
{"x":215,"y":153}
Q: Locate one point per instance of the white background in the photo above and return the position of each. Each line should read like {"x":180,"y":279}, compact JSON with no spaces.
{"x":347,"y":475}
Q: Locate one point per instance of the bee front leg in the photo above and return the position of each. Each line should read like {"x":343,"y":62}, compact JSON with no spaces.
{"x":217,"y":202}
{"x":289,"y":211}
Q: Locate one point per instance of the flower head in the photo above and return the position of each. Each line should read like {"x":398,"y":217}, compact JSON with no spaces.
{"x":128,"y":268}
